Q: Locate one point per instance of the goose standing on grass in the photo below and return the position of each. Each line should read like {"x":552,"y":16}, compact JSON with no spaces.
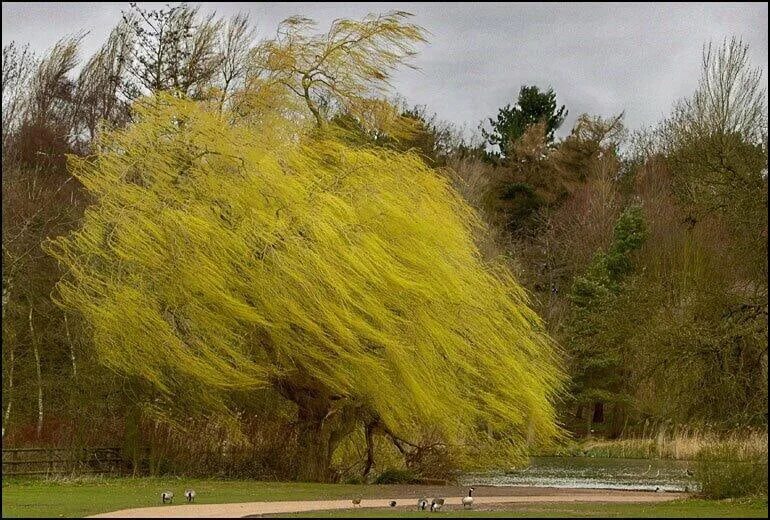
{"x":392,"y":503}
{"x":167,"y":496}
{"x":468,"y":501}
{"x":422,"y":504}
{"x":356,"y":501}
{"x":436,"y":504}
{"x":189,"y":494}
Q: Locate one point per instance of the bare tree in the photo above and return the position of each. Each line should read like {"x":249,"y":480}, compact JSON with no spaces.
{"x":714,"y":140}
{"x":729,"y":98}
{"x":44,"y":130}
{"x":103,"y":92}
{"x":18,"y":65}
{"x":52,"y":89}
{"x":234,"y":46}
{"x":174,"y":49}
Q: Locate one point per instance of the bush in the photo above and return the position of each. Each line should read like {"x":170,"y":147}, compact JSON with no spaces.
{"x":435,"y":463}
{"x":728,"y":471}
{"x":397,"y":476}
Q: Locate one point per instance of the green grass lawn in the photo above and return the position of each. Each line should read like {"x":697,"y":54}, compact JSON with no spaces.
{"x":690,"y":508}
{"x":76,"y":498}
{"x":81,"y":497}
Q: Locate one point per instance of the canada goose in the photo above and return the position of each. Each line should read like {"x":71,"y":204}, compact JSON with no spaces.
{"x":436,"y":504}
{"x":167,"y":496}
{"x":688,"y":472}
{"x":190,"y":495}
{"x":468,"y":501}
{"x":422,"y":504}
{"x":356,"y":501}
{"x":392,"y":503}
{"x":658,"y":490}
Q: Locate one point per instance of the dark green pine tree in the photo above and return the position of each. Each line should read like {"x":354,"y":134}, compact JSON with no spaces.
{"x":532,"y":107}
{"x":598,"y":374}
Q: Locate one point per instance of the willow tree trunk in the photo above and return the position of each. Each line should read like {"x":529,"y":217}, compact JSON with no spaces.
{"x":369,"y":434}
{"x":322,"y":422}
{"x":314,"y":445}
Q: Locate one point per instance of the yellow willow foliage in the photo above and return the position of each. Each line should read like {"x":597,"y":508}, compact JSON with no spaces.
{"x":345,"y":67}
{"x":221,"y":258}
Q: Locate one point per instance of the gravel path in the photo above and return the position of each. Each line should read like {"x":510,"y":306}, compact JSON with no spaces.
{"x":515,"y":496}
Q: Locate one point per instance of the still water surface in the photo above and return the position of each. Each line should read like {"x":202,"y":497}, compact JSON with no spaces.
{"x":594,"y":473}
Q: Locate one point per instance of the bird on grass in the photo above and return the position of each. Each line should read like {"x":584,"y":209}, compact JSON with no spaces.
{"x":468,"y":501}
{"x":190,"y":495}
{"x":167,"y":496}
{"x":436,"y":504}
{"x":658,"y":489}
{"x":392,"y":503}
{"x":688,"y":472}
{"x":422,"y":504}
{"x":356,"y":501}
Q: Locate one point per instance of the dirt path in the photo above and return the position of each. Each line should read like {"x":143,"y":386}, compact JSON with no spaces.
{"x":516,"y":496}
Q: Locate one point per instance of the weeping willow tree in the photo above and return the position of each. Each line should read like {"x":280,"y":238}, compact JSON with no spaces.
{"x":239,"y":253}
{"x":221,"y":259}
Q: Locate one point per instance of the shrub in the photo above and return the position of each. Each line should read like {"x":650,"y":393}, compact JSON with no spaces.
{"x":397,"y":476}
{"x":728,"y":470}
{"x":434,"y":463}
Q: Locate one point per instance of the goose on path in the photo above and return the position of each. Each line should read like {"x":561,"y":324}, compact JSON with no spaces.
{"x":468,"y":501}
{"x":436,"y":504}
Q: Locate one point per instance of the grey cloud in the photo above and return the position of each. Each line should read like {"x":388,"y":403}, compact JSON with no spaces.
{"x":600,"y":58}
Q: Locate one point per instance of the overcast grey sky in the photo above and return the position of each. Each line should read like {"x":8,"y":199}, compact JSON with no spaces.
{"x":599,"y":58}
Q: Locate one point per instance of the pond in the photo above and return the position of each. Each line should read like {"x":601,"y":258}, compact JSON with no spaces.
{"x":594,"y":473}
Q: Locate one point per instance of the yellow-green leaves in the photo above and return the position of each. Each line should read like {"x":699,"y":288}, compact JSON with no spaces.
{"x":343,"y":69}
{"x":225,"y":258}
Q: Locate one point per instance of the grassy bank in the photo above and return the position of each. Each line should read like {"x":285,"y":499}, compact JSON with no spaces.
{"x":683,"y":444}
